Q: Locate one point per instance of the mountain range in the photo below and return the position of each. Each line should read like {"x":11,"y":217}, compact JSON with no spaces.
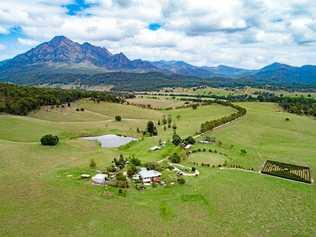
{"x":66,"y":59}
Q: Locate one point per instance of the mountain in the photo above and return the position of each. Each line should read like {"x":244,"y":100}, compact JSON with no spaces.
{"x":61,"y":50}
{"x":62,"y":60}
{"x":183,"y":68}
{"x":227,"y":71}
{"x":277,"y":73}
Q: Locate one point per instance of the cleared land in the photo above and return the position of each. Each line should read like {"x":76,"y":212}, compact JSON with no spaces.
{"x":157,"y":102}
{"x":40,"y":187}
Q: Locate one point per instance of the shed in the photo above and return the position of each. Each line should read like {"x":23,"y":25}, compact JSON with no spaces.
{"x":99,"y":179}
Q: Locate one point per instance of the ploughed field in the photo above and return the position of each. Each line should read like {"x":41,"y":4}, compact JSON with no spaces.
{"x":41,"y":194}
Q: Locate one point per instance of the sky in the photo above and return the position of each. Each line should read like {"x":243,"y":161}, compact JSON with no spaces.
{"x":241,"y":33}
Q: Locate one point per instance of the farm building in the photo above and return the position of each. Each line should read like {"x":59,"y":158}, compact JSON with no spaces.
{"x":99,"y":179}
{"x":149,"y":176}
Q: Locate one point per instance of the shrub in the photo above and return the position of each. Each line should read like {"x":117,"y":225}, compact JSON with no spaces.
{"x":118,"y":118}
{"x":189,"y":140}
{"x":287,"y":119}
{"x":131,"y":170}
{"x":49,"y":140}
{"x":151,"y":128}
{"x":243,"y":151}
{"x":135,"y":161}
{"x":111,"y":169}
{"x":93,"y":165}
{"x":176,"y":139}
{"x":175,"y":158}
{"x":181,"y":180}
{"x":82,"y":109}
{"x":152,"y":166}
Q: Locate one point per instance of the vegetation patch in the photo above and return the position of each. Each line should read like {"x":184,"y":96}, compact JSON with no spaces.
{"x":287,"y":171}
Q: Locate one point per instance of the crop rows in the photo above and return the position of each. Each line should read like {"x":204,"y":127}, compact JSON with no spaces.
{"x":288,"y":171}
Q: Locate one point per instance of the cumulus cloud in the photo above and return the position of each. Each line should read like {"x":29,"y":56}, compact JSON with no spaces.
{"x":248,"y":33}
{"x":28,"y":42}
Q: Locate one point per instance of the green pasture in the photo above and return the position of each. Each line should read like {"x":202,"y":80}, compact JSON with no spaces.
{"x":42,"y":195}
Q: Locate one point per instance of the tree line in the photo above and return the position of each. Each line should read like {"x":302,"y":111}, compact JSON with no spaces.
{"x":298,"y":105}
{"x":210,"y":125}
{"x":20,"y":100}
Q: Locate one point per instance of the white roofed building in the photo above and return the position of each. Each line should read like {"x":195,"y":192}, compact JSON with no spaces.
{"x":149,"y":176}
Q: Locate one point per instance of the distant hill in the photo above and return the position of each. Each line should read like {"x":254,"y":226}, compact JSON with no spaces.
{"x":61,"y":50}
{"x":277,"y":73}
{"x":65,"y":61}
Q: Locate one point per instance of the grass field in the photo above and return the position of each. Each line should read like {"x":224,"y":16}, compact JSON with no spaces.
{"x":237,"y":91}
{"x":157,"y":103}
{"x":41,"y":194}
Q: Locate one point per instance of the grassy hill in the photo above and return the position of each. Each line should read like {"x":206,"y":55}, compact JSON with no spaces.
{"x":40,"y":186}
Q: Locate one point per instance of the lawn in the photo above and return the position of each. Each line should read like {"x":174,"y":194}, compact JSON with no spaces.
{"x":42,"y":195}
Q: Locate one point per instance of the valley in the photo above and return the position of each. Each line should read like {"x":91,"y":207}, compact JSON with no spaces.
{"x":42,"y":184}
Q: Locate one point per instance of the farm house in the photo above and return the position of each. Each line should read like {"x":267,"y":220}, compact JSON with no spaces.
{"x":149,"y":176}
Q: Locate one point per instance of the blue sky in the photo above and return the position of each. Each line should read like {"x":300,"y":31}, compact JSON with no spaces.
{"x":233,"y":32}
{"x":77,"y":6}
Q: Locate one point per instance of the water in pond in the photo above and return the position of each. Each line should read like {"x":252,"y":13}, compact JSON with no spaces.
{"x":109,"y":141}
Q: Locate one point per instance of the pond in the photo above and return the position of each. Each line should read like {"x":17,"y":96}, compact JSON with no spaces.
{"x":110,"y":141}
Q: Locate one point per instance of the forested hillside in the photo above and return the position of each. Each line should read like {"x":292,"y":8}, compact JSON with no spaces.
{"x":21,"y":100}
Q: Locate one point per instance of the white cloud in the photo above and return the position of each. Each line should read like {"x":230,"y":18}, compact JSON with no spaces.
{"x":2,"y":47}
{"x":248,"y":33}
{"x":28,"y":42}
{"x":3,"y":30}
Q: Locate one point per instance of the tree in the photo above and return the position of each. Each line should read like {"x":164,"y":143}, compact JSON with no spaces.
{"x":118,"y":118}
{"x":181,"y":180}
{"x":131,"y":170}
{"x":152,"y":166}
{"x":176,"y":139}
{"x":151,"y":128}
{"x":135,"y":161}
{"x":189,"y":140}
{"x":174,"y":126}
{"x":121,"y":181}
{"x":175,"y":158}
{"x":169,"y":119}
{"x":120,"y":176}
{"x":92,"y":165}
{"x":49,"y":140}
{"x":164,"y":120}
{"x":120,"y":162}
{"x":243,"y":151}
